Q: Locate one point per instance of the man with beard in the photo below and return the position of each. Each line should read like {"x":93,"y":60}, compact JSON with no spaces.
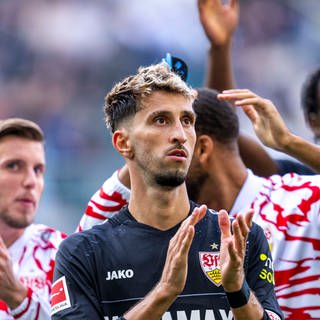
{"x":162,"y":256}
{"x":27,"y":250}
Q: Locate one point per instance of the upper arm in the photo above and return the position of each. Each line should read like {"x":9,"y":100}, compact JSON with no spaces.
{"x":74,"y":292}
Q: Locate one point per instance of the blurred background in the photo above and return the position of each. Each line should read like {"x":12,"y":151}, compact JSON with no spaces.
{"x":59,"y":58}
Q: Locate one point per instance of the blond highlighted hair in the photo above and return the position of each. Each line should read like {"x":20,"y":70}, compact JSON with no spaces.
{"x":124,"y":99}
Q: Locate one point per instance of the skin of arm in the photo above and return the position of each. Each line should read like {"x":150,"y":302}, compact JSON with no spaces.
{"x":219,"y":21}
{"x":250,"y":151}
{"x":270,"y":127}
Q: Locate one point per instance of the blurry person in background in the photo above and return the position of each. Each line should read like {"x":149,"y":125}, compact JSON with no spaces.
{"x":310,"y":101}
{"x":219,"y":21}
{"x":27,"y":250}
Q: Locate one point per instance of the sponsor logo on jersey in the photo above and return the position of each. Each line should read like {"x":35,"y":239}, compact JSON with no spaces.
{"x":119,"y":274}
{"x":208,"y":314}
{"x":60,"y":299}
{"x":272,"y":315}
{"x":210,"y":265}
{"x":267,"y":273}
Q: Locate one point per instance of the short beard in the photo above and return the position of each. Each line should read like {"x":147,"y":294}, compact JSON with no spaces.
{"x":15,"y":223}
{"x":170,"y":180}
{"x":194,"y":185}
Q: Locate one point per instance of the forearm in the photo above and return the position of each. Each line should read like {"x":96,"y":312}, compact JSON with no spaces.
{"x":250,"y":311}
{"x":255,"y":157}
{"x":220,"y":75}
{"x":153,"y":306}
{"x":304,"y":151}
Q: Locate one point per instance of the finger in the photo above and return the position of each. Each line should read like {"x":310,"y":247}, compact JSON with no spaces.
{"x":251,"y":113}
{"x":232,"y":251}
{"x":224,"y":224}
{"x":197,"y":214}
{"x":2,"y":245}
{"x":244,"y":228}
{"x":187,"y":241}
{"x":249,"y":217}
{"x":234,"y":3}
{"x":239,"y":234}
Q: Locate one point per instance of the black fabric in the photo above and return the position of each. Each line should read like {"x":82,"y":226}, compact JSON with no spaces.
{"x":111,"y":267}
{"x":288,"y":166}
{"x":239,"y":298}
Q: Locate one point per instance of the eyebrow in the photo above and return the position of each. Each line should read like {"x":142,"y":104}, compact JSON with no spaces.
{"x":167,"y":113}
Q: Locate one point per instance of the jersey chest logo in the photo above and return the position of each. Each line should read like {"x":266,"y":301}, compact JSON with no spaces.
{"x":210,"y":266}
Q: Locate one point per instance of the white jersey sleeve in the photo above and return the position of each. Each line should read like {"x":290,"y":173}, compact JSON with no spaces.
{"x":33,"y":257}
{"x":106,"y":202}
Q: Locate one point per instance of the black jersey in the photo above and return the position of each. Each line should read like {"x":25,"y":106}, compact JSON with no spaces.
{"x":102,"y":272}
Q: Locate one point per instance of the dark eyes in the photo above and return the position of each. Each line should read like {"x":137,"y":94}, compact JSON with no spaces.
{"x":186,"y":121}
{"x":18,"y":165}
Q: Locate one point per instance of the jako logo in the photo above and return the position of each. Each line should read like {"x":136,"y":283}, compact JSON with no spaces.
{"x":119,"y":274}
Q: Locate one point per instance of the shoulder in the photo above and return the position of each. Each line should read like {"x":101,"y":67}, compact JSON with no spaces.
{"x":292,"y":182}
{"x":108,"y":232}
{"x":44,"y":236}
{"x":113,"y":186}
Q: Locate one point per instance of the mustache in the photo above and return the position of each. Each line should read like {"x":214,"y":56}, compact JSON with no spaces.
{"x":179,"y":147}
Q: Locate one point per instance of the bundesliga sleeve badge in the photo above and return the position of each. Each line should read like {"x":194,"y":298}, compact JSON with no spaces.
{"x":60,"y":299}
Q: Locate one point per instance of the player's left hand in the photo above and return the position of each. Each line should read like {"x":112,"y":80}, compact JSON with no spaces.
{"x":233,"y":248}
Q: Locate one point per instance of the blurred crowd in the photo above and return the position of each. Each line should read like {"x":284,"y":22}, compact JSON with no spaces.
{"x":59,"y":58}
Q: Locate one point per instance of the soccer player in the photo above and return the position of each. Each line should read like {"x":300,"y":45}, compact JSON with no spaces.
{"x":163,"y":256}
{"x":27,"y":250}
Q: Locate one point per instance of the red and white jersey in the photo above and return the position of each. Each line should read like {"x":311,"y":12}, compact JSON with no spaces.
{"x":288,"y":209}
{"x":107,"y":201}
{"x":33,"y":256}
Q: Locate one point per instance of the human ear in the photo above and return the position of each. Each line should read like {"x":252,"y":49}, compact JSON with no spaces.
{"x":122,"y":144}
{"x":204,"y":148}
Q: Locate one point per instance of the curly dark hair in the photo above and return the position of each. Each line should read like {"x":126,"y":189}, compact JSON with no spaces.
{"x":309,"y":96}
{"x":215,"y":118}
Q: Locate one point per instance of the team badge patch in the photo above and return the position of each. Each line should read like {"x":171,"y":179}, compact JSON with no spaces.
{"x":272,"y":315}
{"x":210,"y":265}
{"x":60,"y":296}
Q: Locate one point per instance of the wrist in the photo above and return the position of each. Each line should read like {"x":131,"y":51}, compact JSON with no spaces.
{"x":17,"y":296}
{"x":19,"y":309}
{"x":239,"y":298}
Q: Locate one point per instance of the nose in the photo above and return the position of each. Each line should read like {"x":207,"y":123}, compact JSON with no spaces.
{"x":29,"y":178}
{"x":179,"y":133}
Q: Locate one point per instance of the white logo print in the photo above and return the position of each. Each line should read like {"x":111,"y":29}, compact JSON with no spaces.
{"x":119,"y":274}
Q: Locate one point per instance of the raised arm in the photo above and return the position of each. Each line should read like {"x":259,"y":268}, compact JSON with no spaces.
{"x":271,"y":129}
{"x":219,"y":22}
{"x":108,"y":200}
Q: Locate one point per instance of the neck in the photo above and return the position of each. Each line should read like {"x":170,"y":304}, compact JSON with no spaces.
{"x":158,"y":207}
{"x":223,"y":185}
{"x":9,"y":235}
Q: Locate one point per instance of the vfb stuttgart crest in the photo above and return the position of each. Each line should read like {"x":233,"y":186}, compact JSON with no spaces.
{"x":209,"y":262}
